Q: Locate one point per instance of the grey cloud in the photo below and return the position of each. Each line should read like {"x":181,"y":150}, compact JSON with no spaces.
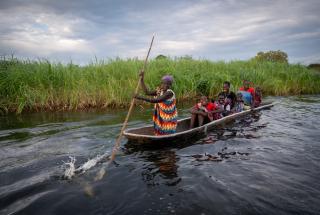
{"x":207,"y":29}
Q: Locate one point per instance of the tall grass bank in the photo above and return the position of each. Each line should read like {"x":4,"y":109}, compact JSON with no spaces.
{"x":43,"y":85}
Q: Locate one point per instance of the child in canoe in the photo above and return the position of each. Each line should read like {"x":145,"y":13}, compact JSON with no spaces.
{"x":257,"y":97}
{"x":248,"y":93}
{"x":239,"y":105}
{"x":165,"y":111}
{"x":223,"y":106}
{"x":206,"y":111}
{"x":202,"y":112}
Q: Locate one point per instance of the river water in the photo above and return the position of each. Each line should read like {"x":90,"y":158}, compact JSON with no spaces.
{"x":268,"y":163}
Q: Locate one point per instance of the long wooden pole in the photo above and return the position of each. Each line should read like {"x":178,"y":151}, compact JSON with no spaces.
{"x":117,"y":144}
{"x":118,"y":141}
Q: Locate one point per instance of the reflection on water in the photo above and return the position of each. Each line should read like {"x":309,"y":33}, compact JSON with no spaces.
{"x":163,"y":165}
{"x":267,"y":163}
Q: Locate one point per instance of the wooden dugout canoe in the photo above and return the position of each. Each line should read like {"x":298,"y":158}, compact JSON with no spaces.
{"x":144,"y":135}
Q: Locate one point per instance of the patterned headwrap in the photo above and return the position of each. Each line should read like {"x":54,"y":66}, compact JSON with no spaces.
{"x":168,"y":79}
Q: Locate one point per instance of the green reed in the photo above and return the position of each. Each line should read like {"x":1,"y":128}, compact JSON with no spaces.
{"x":43,"y":85}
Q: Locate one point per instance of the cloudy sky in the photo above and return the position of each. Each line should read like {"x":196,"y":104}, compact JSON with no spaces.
{"x":61,"y":30}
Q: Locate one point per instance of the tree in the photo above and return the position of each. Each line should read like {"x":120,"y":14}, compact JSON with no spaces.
{"x":315,"y":66}
{"x":161,"y":57}
{"x":272,"y":56}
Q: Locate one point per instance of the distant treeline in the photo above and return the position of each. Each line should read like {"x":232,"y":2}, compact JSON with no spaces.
{"x":315,"y":66}
{"x":42,"y":85}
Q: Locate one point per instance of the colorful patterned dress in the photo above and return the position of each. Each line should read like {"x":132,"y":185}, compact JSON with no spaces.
{"x":165,"y":116}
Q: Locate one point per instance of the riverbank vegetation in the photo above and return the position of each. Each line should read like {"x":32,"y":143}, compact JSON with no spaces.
{"x":42,"y":85}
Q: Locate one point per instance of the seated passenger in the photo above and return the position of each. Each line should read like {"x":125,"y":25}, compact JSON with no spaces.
{"x":247,"y":93}
{"x":202,"y":112}
{"x":257,"y":97}
{"x":222,"y":108}
{"x":223,"y":104}
{"x":239,"y":105}
{"x":230,"y":97}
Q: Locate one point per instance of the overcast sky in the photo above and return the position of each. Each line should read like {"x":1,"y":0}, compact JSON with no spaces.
{"x":211,"y":29}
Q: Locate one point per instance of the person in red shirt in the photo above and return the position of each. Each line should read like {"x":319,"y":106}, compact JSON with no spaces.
{"x":248,"y":93}
{"x":202,"y":112}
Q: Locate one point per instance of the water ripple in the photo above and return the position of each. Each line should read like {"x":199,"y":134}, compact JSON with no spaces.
{"x":267,"y":163}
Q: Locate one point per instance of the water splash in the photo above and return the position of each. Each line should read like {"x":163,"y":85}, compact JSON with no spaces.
{"x":71,"y":170}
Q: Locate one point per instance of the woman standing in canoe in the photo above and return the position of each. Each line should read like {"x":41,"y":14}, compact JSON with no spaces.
{"x":165,"y":111}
